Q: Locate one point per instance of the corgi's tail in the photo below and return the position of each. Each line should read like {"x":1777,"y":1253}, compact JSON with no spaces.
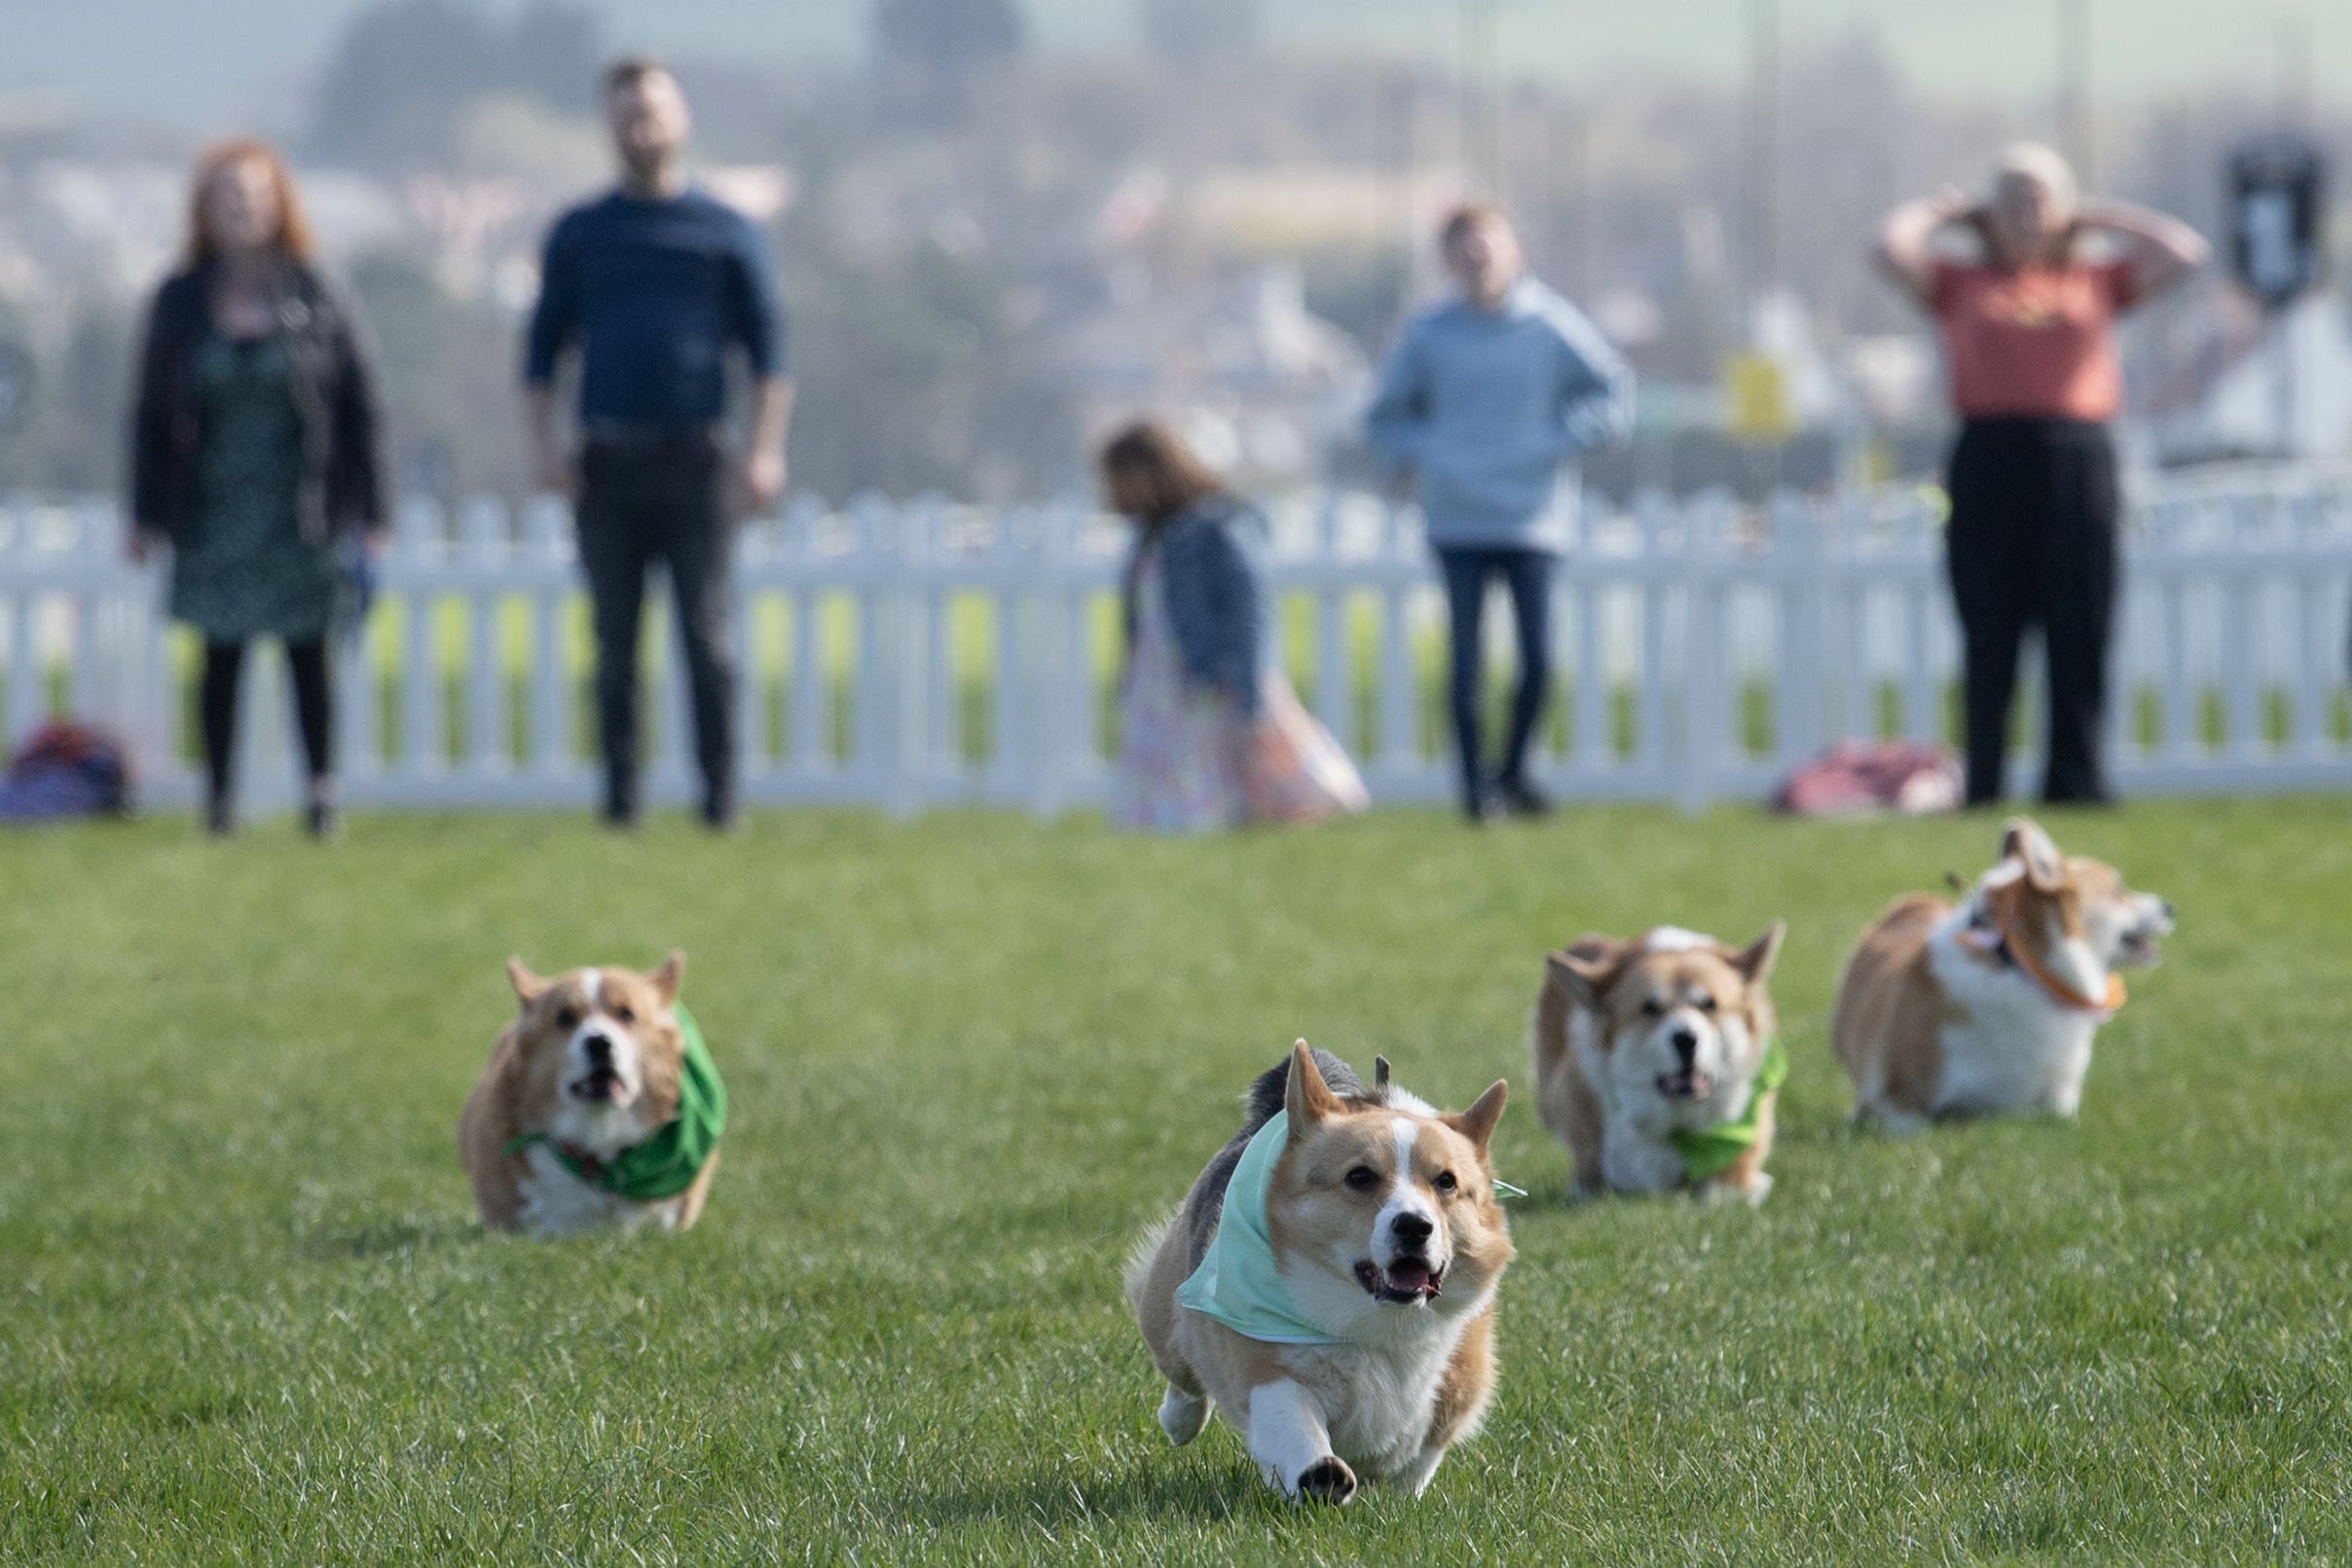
{"x":1140,"y":1257}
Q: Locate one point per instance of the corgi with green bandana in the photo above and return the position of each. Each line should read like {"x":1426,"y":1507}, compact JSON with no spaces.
{"x":601,"y":1107}
{"x":1658,"y":1062}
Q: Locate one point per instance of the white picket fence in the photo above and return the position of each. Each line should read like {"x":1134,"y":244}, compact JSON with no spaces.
{"x":908,"y":656}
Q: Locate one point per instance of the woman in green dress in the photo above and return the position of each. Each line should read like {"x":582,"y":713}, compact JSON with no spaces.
{"x":254,"y":456}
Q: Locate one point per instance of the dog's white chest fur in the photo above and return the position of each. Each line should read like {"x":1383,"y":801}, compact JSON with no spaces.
{"x":1637,"y":1153}
{"x":1378,"y":1401}
{"x":2017,"y":1050}
{"x":557,"y":1203}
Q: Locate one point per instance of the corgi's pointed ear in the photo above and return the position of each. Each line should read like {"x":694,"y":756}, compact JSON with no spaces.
{"x":528,"y":987}
{"x":670,"y":976}
{"x":1756,"y":960}
{"x":1305,"y":1096}
{"x":1477,"y":1122}
{"x":1587,"y":966}
{"x":2024,"y":842}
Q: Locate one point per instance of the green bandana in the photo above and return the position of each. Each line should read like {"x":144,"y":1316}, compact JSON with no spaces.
{"x":1237,"y":1282}
{"x":1709,"y":1152}
{"x":667,"y":1163}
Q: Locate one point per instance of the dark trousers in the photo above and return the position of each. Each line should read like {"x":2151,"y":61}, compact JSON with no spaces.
{"x":216,"y":705}
{"x":1528,"y":574}
{"x":660,"y":497}
{"x":2031,"y":542}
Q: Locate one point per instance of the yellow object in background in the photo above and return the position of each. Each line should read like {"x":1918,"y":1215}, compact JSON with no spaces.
{"x":1755,"y":400}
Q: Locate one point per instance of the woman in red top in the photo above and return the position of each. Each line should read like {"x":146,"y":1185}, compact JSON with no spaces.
{"x":2028,"y":308}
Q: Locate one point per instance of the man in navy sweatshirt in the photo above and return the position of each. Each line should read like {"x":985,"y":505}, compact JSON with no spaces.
{"x":1486,"y":399}
{"x":655,"y":285}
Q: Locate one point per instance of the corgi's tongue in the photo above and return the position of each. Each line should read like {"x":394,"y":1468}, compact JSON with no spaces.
{"x":1407,"y":1278}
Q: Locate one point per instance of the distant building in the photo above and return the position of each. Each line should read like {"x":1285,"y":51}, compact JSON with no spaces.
{"x":2236,"y":385}
{"x":1258,"y":382}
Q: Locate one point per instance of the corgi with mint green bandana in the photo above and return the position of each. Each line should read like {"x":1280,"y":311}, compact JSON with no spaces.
{"x":1329,"y":1283}
{"x":600,"y":1106}
{"x":1658,"y":1062}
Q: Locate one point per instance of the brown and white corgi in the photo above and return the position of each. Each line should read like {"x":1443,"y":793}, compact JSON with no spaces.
{"x":1989,"y":1005}
{"x":1658,"y":1062}
{"x":599,"y":1107}
{"x":1329,"y":1281}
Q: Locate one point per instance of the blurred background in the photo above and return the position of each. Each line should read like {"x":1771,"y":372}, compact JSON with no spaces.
{"x":1002,"y":223}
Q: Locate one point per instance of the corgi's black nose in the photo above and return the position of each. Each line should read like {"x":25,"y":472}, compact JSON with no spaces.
{"x":1412,"y":1229}
{"x":599,"y":1050}
{"x":1686,"y":1042}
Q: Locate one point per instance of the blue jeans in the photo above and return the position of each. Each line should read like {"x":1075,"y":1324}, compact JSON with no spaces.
{"x":1528,"y":574}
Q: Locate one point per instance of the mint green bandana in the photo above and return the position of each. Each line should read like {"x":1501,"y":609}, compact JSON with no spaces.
{"x":1237,"y":1282}
{"x":667,"y":1163}
{"x":1710,"y":1151}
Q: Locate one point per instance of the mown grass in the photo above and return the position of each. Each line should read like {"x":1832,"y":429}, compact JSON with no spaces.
{"x":246,"y":1316}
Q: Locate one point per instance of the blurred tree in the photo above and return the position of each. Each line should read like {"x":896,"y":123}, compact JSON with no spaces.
{"x":1361,"y":290}
{"x":396,"y":78}
{"x":72,"y":440}
{"x":446,"y":375}
{"x":947,"y":37}
{"x":1200,"y":29}
{"x":916,"y":375}
{"x":555,"y":52}
{"x":398,"y":82}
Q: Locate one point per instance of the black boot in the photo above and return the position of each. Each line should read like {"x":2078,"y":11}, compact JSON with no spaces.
{"x":1519,"y":796}
{"x":322,"y":819}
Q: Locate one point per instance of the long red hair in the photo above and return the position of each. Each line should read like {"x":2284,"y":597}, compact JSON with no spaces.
{"x":294,"y":236}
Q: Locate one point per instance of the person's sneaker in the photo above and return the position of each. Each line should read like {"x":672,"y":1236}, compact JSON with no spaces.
{"x":220,"y":819}
{"x":720,"y":815}
{"x":1519,"y":796}
{"x":323,"y":821}
{"x":1480,"y":810}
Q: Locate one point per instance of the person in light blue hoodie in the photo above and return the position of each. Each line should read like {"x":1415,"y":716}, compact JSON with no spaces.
{"x":1486,"y":399}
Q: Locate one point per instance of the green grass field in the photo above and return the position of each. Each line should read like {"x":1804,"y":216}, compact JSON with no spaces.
{"x":245,"y":1314}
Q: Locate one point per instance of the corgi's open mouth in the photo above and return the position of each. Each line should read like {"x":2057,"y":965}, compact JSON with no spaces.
{"x":599,"y":1086}
{"x":1687,"y":1085}
{"x":1407,"y":1282}
{"x":2140,"y":949}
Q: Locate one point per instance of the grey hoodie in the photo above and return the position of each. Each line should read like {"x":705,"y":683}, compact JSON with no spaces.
{"x":1489,"y":408}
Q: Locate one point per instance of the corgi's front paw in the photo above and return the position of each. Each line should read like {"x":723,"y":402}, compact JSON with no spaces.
{"x":1327,"y":1481}
{"x":1752,"y":1193}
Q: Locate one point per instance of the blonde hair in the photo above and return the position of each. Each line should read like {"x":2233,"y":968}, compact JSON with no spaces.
{"x":2043,"y":164}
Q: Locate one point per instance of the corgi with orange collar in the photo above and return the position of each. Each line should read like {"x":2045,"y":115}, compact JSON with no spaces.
{"x":1989,"y":1005}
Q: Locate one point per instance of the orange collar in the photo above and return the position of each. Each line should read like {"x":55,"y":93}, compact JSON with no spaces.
{"x":1997,"y":911}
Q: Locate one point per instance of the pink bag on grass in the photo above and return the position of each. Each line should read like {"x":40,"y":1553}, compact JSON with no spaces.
{"x":1867,"y":778}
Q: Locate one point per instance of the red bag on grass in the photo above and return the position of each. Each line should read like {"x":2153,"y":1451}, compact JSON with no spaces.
{"x":1867,"y":778}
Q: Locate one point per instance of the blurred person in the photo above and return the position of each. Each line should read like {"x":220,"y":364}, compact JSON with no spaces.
{"x":1486,"y":399}
{"x":1212,"y":736}
{"x":254,"y":455}
{"x":655,"y":284}
{"x":2028,"y":309}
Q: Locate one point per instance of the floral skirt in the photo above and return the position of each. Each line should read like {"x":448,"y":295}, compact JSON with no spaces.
{"x":1195,"y":763}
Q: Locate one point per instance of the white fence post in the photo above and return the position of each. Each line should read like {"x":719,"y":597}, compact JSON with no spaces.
{"x":2235,"y":600}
